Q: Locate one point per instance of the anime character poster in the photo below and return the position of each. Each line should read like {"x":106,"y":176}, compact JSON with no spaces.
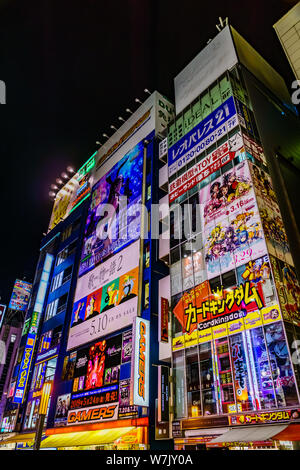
{"x":275,"y":232}
{"x":263,"y":185}
{"x":248,"y":236}
{"x":78,"y":314}
{"x":234,"y":241}
{"x":96,"y":365}
{"x":223,"y":196}
{"x":127,"y":346}
{"x":219,"y":248}
{"x":93,"y":304}
{"x":62,"y":408}
{"x":113,"y":226}
{"x":288,"y":289}
{"x":110,"y":295}
{"x":256,"y":272}
{"x":124,"y":392}
{"x":128,"y":286}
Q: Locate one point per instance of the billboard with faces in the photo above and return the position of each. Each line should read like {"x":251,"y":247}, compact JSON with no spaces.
{"x":227,"y":194}
{"x":233,"y":241}
{"x":106,"y":298}
{"x":113,"y":219}
{"x":97,"y":376}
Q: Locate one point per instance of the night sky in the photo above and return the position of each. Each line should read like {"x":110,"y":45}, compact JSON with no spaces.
{"x":71,"y":68}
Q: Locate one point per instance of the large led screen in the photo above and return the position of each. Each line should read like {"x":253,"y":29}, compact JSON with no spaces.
{"x":113,"y":220}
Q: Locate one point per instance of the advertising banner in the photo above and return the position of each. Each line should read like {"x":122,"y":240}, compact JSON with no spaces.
{"x":288,"y":289}
{"x":62,"y":408}
{"x":206,"y":167}
{"x":96,"y":377}
{"x":202,"y":136}
{"x":140,"y":369}
{"x":254,"y":149}
{"x":234,"y":240}
{"x":20,"y":295}
{"x":226,"y":195}
{"x":2,"y":313}
{"x":93,"y":414}
{"x":73,"y":193}
{"x":109,"y":303}
{"x":202,"y":307}
{"x":113,"y":219}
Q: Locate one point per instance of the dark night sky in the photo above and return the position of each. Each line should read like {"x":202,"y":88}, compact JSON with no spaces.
{"x":71,"y":68}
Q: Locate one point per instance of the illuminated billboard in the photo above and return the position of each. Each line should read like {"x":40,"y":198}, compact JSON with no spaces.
{"x":211,"y":129}
{"x":113,"y":219}
{"x":97,"y":383}
{"x":206,"y":167}
{"x":20,"y":296}
{"x":33,"y":330}
{"x":73,"y":193}
{"x":106,"y":298}
{"x":140,"y":369}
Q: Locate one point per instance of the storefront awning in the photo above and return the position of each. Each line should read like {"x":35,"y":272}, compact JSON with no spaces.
{"x":84,"y":438}
{"x":290,"y":433}
{"x":15,"y":437}
{"x":250,"y":434}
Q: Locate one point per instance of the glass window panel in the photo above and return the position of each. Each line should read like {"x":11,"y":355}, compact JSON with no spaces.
{"x":209,"y":399}
{"x":283,"y":376}
{"x":179,"y":384}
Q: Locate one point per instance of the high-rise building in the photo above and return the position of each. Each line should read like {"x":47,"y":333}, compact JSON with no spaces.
{"x":288,"y":32}
{"x":91,"y":330}
{"x":233,"y":160}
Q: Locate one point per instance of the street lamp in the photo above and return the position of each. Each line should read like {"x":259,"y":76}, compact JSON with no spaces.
{"x":46,"y":391}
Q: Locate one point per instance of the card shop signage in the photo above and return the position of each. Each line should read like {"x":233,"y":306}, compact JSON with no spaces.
{"x":206,"y":167}
{"x":163,"y":394}
{"x":93,"y":414}
{"x":141,"y":362}
{"x":207,"y":132}
{"x":201,"y":306}
{"x":263,"y":418}
{"x":164,"y":318}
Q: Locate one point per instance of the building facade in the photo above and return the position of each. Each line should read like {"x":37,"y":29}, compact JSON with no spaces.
{"x":234,"y":286}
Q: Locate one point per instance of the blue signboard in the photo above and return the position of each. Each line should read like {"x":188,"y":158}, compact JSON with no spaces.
{"x":202,"y":136}
{"x":32,"y":334}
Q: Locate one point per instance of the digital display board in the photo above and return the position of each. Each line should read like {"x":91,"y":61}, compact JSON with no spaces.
{"x":20,"y":296}
{"x":113,"y":219}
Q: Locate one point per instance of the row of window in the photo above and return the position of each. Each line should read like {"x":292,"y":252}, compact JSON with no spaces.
{"x":245,"y":372}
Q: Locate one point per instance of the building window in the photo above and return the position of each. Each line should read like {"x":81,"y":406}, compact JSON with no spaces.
{"x":51,"y":309}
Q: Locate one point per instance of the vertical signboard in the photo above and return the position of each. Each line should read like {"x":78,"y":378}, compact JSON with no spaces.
{"x":163,"y":394}
{"x":164,"y":318}
{"x":141,"y":362}
{"x":32,"y":334}
{"x":20,"y":295}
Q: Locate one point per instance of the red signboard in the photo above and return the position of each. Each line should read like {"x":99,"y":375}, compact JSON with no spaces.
{"x":164,"y":317}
